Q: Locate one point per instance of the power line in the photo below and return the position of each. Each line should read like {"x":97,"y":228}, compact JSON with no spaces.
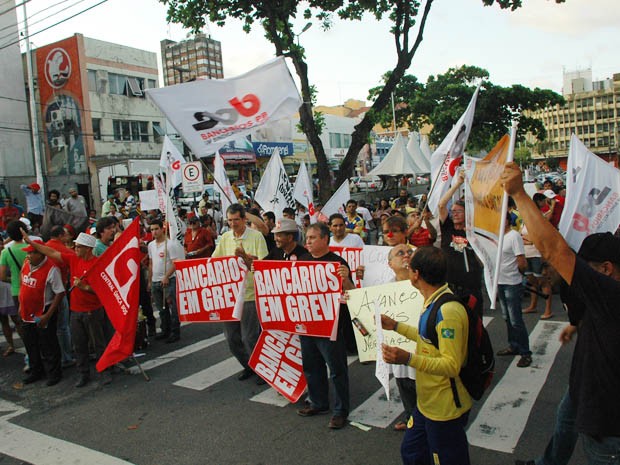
{"x":40,"y":20}
{"x":53,"y":25}
{"x":14,"y":7}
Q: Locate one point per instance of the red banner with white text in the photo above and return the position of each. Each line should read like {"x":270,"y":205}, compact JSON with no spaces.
{"x":298,"y":297}
{"x":277,"y":359}
{"x":352,"y":255}
{"x":210,"y":289}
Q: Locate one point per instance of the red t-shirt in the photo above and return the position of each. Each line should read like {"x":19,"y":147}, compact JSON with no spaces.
{"x":202,"y":239}
{"x":8,"y":214}
{"x":80,"y":301}
{"x":62,"y":248}
{"x":557,"y":210}
{"x":422,"y":238}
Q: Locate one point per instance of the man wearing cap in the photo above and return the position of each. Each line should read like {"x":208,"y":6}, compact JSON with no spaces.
{"x":40,"y":296}
{"x":87,"y":313}
{"x":248,"y":244}
{"x":556,"y":206}
{"x":285,"y":236}
{"x":35,"y":205}
{"x":593,"y":280}
{"x":76,"y":204}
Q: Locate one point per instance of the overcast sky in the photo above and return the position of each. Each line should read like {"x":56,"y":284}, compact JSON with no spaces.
{"x":531,"y":46}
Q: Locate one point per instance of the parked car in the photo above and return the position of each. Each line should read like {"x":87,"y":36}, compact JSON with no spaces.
{"x":365,"y":184}
{"x":191,"y":199}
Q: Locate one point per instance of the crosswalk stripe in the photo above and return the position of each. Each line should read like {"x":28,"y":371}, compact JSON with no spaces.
{"x":502,"y":418}
{"x":208,"y":377}
{"x":271,"y":397}
{"x":182,"y":352}
{"x":377,"y":410}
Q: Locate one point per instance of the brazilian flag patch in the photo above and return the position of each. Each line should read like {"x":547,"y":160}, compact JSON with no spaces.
{"x":447,"y":333}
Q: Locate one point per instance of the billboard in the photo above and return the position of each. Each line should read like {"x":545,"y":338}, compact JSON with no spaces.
{"x":265,"y":149}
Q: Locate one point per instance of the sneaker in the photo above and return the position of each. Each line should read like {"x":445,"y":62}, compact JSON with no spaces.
{"x":337,"y":422}
{"x":82,"y":381}
{"x":53,"y":381}
{"x":311,"y":411}
{"x":525,"y":361}
{"x":34,"y":377}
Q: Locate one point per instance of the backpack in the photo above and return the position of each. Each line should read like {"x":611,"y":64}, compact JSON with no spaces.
{"x":477,"y":372}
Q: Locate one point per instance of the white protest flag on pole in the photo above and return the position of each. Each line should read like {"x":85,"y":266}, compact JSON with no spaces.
{"x":222,"y":183}
{"x":170,"y":161}
{"x":275,"y":191}
{"x":161,"y":193}
{"x":302,"y":192}
{"x":176,"y":226}
{"x":447,"y":157}
{"x":592,"y":196}
{"x":485,"y":208}
{"x":207,"y":113}
{"x":337,"y":202}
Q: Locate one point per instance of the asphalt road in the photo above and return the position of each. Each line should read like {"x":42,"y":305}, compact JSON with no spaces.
{"x":158,"y":422}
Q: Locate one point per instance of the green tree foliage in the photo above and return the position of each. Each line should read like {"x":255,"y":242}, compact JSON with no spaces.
{"x":408,"y":19}
{"x":441,"y":101}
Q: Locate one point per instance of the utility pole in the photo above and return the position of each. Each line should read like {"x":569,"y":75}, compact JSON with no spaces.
{"x":34,"y":120}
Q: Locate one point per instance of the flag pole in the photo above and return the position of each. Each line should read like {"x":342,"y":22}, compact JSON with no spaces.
{"x":502,"y":222}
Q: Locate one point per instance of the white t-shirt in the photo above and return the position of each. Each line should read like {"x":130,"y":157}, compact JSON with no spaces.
{"x":366,"y":216}
{"x":156,"y":255}
{"x":530,"y":249}
{"x":350,"y":240}
{"x":513,"y":246}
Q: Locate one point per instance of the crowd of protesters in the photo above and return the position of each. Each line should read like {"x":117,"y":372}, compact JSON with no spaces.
{"x":44,"y":286}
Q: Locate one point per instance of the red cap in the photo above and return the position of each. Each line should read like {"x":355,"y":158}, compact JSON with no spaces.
{"x":30,"y":248}
{"x":34,"y":187}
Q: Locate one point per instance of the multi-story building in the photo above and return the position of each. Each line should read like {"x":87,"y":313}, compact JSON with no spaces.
{"x":94,"y":113}
{"x":591,"y":111}
{"x":198,"y":57}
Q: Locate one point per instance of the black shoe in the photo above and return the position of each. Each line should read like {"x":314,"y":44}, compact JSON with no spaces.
{"x":83,"y":381}
{"x":245,"y":374}
{"x":260,"y":381}
{"x":173,"y":338}
{"x":34,"y":377}
{"x":53,"y":381}
{"x":162,"y":335}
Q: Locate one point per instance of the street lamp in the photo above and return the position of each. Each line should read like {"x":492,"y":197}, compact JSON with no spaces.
{"x":305,"y":28}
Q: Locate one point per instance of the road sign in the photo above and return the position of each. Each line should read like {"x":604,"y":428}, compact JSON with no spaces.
{"x":192,"y":177}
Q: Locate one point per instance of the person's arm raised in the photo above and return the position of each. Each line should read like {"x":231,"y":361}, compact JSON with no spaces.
{"x":545,"y":237}
{"x":443,"y":203}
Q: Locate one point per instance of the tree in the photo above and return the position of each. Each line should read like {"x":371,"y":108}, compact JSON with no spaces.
{"x":276,"y":19}
{"x":442,"y":100}
{"x":523,"y":155}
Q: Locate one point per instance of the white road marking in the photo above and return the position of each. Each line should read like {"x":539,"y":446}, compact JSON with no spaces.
{"x":502,"y":418}
{"x":39,"y":449}
{"x":208,"y":377}
{"x":172,"y":356}
{"x":377,"y":410}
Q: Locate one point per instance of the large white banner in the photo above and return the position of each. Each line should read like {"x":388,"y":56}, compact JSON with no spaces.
{"x":275,"y":191}
{"x":302,"y":192}
{"x":207,"y":113}
{"x":592,"y":196}
{"x":447,"y":157}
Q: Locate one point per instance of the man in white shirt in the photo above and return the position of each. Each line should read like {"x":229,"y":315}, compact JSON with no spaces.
{"x":162,"y":281}
{"x":340,"y":237}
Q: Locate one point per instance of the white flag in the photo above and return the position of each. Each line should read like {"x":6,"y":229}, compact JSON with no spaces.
{"x":210,"y":112}
{"x":302,"y":192}
{"x":592,"y":196}
{"x":222,"y":185}
{"x":170,"y":161}
{"x":275,"y":192}
{"x":447,"y":157}
{"x":176,"y":225}
{"x":337,"y":202}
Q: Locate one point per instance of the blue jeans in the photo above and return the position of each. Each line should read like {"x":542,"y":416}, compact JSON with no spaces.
{"x":430,"y":442}
{"x":167,"y":314}
{"x":562,"y":444}
{"x":602,"y":451}
{"x":509,"y":296}
{"x":318,"y":353}
{"x":63,"y":332}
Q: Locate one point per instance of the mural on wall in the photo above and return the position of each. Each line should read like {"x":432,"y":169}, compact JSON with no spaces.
{"x":62,"y":103}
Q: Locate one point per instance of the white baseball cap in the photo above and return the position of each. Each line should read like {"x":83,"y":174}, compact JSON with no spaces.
{"x":86,"y":240}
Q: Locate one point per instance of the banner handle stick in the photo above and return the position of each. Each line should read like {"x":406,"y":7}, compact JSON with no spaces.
{"x":502,"y":223}
{"x":135,"y":360}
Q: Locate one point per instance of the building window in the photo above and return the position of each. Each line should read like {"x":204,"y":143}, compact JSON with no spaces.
{"x":136,"y":131}
{"x":158,"y":131}
{"x":152,"y":83}
{"x":92,"y":80}
{"x":117,"y":83}
{"x":96,"y":128}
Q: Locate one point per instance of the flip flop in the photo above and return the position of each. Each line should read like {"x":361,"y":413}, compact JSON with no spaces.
{"x":9,"y":351}
{"x":400,"y":426}
{"x":546,"y":317}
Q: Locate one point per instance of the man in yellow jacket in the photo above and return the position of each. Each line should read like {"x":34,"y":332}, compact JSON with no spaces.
{"x":436,"y":430}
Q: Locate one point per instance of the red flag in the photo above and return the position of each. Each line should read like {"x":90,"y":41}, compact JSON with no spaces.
{"x":115,"y":278}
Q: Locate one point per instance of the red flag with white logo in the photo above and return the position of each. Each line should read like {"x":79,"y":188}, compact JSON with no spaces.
{"x":115,"y":278}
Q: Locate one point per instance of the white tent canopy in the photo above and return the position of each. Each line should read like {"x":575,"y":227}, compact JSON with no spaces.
{"x":413,"y":147}
{"x":425,"y":148}
{"x":397,"y":161}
